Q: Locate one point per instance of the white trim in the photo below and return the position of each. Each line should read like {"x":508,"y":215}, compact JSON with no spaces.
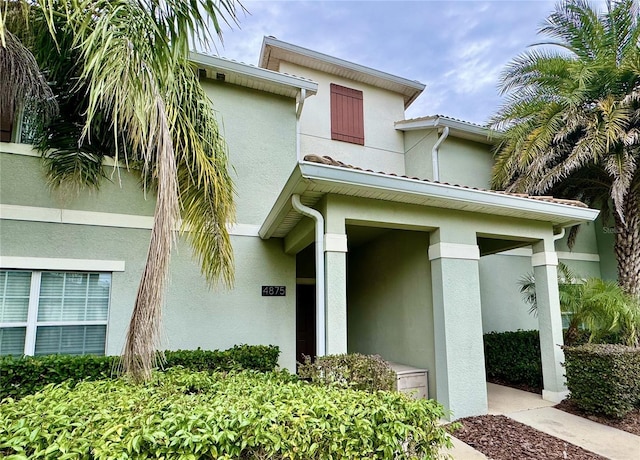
{"x":98,"y":219}
{"x":454,"y":251}
{"x":27,"y":150}
{"x":584,"y":256}
{"x":43,"y":263}
{"x":68,"y":216}
{"x":335,"y":242}
{"x":243,"y":229}
{"x":562,"y":255}
{"x":539,"y":259}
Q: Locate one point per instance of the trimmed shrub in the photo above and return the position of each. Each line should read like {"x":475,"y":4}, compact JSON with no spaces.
{"x":353,"y":370}
{"x":514,"y":357}
{"x":25,"y":375}
{"x":236,"y":415}
{"x":603,"y":379}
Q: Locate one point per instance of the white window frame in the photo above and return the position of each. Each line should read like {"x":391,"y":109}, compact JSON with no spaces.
{"x":32,"y":322}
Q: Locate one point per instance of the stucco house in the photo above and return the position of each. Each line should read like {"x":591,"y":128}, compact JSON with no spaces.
{"x":357,"y":231}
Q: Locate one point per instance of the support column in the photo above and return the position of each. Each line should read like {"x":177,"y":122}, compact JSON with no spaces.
{"x":545,"y":263}
{"x":460,"y":371}
{"x":336,"y":292}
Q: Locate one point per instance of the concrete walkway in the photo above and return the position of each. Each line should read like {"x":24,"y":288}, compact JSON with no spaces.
{"x":532,"y":410}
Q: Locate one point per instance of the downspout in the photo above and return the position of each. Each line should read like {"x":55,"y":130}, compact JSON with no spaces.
{"x":558,"y":236}
{"x":321,"y":340}
{"x":434,"y":154}
{"x":303,"y":96}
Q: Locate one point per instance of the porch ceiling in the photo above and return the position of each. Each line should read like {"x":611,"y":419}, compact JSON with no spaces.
{"x":312,"y":180}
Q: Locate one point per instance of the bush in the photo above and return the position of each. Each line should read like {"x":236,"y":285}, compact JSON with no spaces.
{"x":603,"y":379}
{"x":26,"y":375}
{"x":239,"y":415}
{"x":514,"y":357}
{"x":356,"y":371}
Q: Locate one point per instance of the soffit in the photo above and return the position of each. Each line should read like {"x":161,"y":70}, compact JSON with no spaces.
{"x":274,"y":51}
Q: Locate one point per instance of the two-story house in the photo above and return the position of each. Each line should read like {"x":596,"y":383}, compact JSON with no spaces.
{"x":357,"y":231}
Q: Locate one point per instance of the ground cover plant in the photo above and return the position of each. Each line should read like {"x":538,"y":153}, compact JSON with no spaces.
{"x":202,"y":415}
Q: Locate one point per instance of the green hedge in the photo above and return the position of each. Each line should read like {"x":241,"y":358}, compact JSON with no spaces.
{"x":26,"y":375}
{"x":604,"y":379}
{"x":236,"y":415}
{"x":514,"y":357}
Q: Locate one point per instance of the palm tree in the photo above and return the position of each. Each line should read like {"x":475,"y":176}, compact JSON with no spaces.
{"x":571,"y":120}
{"x":125,"y":88}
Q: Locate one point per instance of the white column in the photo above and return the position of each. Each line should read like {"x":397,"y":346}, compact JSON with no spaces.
{"x":336,"y":292}
{"x":545,"y":262}
{"x":460,"y":372}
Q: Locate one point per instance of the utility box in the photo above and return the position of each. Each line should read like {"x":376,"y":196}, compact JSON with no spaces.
{"x":411,"y":380}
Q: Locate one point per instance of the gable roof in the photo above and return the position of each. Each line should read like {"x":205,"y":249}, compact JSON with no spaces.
{"x":457,"y":127}
{"x":316,"y":176}
{"x":249,"y":76}
{"x":274,"y":50}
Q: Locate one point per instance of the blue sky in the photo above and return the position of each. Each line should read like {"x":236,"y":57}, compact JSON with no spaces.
{"x":456,"y":48}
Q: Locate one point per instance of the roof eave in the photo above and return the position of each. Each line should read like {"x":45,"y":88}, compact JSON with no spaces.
{"x":415,"y":88}
{"x":305,"y":173}
{"x":255,"y":73}
{"x":458,"y":129}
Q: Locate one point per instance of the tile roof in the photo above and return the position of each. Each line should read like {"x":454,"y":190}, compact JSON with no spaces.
{"x":325,"y":160}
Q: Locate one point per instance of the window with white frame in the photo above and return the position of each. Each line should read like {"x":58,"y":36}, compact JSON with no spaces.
{"x":51,"y":312}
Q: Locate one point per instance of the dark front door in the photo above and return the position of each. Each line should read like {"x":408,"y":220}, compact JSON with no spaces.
{"x":305,"y":321}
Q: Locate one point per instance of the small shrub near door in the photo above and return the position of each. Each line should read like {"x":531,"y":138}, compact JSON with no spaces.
{"x":236,"y":415}
{"x":353,"y":370}
{"x":604,"y":379}
{"x":514,"y":358}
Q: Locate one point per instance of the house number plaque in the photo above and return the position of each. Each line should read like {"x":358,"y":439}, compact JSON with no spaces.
{"x":274,"y":291}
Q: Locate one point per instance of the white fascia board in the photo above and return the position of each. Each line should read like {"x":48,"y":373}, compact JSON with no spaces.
{"x":253,"y":72}
{"x":332,"y":60}
{"x":551,"y":212}
{"x":479,"y":133}
{"x":282,"y":204}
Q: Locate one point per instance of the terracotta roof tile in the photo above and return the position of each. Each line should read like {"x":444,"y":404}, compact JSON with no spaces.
{"x":325,"y":160}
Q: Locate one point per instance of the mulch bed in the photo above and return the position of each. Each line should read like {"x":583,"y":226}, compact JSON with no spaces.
{"x":630,"y":424}
{"x":501,"y":438}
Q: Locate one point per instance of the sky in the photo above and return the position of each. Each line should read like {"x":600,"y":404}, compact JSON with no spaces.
{"x":457,"y":48}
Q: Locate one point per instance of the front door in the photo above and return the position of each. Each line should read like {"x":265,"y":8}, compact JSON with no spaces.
{"x":305,"y":321}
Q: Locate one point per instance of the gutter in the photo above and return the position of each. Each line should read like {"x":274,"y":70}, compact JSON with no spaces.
{"x":321,"y":339}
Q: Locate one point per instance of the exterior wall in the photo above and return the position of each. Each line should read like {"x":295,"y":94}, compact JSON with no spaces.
{"x":461,"y":162}
{"x":383,"y":146}
{"x":260,"y":132}
{"x":390,"y":310}
{"x":605,"y":238}
{"x":502,"y":306}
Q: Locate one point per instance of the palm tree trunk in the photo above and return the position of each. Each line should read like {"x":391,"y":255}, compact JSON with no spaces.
{"x":627,"y":244}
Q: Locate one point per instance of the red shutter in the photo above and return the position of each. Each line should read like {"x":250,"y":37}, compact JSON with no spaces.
{"x":347,"y":120}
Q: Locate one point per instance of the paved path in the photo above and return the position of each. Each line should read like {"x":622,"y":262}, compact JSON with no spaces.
{"x":532,"y":410}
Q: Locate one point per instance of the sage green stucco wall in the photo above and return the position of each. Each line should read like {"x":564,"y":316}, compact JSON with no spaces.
{"x":461,"y":161}
{"x":605,"y":237}
{"x":502,"y":306}
{"x":389,"y":300}
{"x":260,"y":132}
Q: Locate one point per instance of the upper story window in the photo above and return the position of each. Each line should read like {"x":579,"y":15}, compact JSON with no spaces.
{"x":347,"y":120}
{"x":43,"y":312}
